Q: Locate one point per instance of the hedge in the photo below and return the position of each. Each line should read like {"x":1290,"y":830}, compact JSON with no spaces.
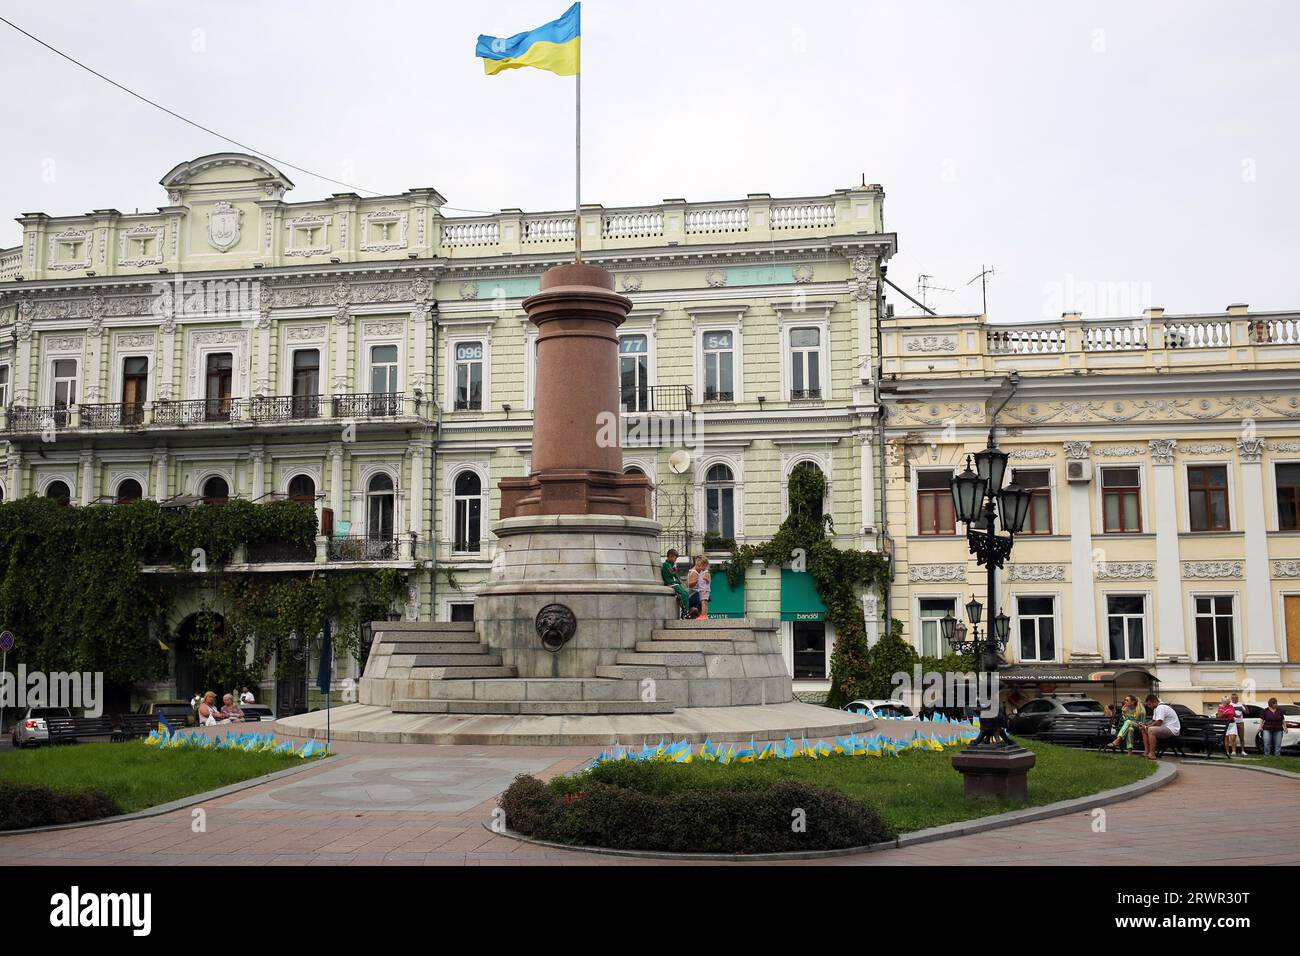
{"x":24,"y":805}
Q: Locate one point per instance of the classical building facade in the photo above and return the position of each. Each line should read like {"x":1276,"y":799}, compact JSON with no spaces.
{"x":1163,"y":454}
{"x":371,"y":354}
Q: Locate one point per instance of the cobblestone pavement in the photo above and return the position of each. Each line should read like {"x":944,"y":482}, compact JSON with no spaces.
{"x":413,"y":804}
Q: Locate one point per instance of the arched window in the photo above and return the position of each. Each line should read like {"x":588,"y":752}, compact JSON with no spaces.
{"x":819,"y":505}
{"x":720,"y":501}
{"x":468,"y":491}
{"x":302,"y":488}
{"x":59,"y":491}
{"x":634,"y":470}
{"x":128,"y":490}
{"x":379,"y":507}
{"x":216,"y":491}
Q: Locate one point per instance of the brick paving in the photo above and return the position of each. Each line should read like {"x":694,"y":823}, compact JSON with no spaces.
{"x":406,"y":805}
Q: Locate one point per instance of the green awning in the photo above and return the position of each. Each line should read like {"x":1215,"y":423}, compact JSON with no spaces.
{"x":726,"y":600}
{"x":799,"y":598}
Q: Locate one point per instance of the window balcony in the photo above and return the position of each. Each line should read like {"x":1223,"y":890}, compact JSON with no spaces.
{"x":656,"y":398}
{"x":261,"y":410}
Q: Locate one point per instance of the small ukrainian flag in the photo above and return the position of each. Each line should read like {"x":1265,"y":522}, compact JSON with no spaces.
{"x":553,"y":46}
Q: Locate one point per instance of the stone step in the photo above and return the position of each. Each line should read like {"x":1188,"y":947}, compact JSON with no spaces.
{"x":439,"y":647}
{"x":666,"y":658}
{"x":702,"y":647}
{"x":704,"y":634}
{"x":482,"y":659}
{"x":657,"y":672}
{"x":722,"y":623}
{"x":463,"y":673}
{"x":379,"y":626}
{"x":532,"y":707}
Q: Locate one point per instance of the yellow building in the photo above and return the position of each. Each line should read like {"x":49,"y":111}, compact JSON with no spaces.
{"x":1163,"y":453}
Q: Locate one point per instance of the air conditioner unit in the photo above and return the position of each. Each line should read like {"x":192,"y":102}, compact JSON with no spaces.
{"x":1079,"y":470}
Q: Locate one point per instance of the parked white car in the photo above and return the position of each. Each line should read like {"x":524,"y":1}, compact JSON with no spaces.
{"x":880,"y":709}
{"x":1255,"y":738}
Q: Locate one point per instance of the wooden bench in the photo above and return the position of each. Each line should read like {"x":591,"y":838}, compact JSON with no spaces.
{"x":1079,"y":730}
{"x":69,"y":730}
{"x":1203,"y":734}
{"x":135,"y":726}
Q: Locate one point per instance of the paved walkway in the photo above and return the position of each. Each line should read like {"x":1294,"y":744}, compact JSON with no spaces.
{"x":416,"y":804}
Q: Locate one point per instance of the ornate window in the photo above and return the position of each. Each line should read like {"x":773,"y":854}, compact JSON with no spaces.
{"x":1288,"y":495}
{"x":935,"y":512}
{"x":634,"y":372}
{"x":468,"y":511}
{"x":216,"y":491}
{"x":59,"y":491}
{"x":805,"y":363}
{"x":720,"y":501}
{"x":1214,"y":627}
{"x":469,"y":376}
{"x":1126,"y":626}
{"x":932,"y":640}
{"x":719,"y":355}
{"x":128,"y":490}
{"x":1207,"y":497}
{"x":1121,"y":500}
{"x":1038,"y":481}
{"x":1036,"y":621}
{"x":380,"y":501}
{"x":302,"y":488}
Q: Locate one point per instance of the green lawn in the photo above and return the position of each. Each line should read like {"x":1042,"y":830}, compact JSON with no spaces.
{"x":911,"y":792}
{"x":1277,"y":763}
{"x":134,"y":775}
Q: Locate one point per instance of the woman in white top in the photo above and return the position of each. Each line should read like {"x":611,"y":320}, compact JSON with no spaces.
{"x":208,"y":712}
{"x":701,"y":579}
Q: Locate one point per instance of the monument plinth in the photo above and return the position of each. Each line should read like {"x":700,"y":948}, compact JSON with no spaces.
{"x":577,"y":468}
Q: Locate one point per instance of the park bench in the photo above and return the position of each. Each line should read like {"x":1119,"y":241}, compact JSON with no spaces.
{"x":135,"y":726}
{"x":69,"y":730}
{"x":1079,"y":730}
{"x":1201,"y":734}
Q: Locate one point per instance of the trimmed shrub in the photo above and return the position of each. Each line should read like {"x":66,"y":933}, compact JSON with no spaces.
{"x":753,"y":817}
{"x":24,"y":805}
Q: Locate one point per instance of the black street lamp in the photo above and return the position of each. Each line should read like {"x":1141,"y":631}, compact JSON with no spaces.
{"x":982,"y":502}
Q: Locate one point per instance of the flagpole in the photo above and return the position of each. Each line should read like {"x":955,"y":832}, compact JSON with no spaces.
{"x":577,"y":165}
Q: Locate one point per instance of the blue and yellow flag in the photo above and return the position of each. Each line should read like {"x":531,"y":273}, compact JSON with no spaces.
{"x":553,"y":46}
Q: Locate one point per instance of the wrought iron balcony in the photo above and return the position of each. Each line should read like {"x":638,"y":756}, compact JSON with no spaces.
{"x":285,"y":408}
{"x":715,"y":395}
{"x":656,"y":398}
{"x":112,"y":415}
{"x":375,"y":405}
{"x":804,"y":394}
{"x":37,"y":418}
{"x":196,"y":411}
{"x":363,"y":547}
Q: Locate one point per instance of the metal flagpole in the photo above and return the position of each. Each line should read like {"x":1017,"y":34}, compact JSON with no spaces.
{"x":577,"y":165}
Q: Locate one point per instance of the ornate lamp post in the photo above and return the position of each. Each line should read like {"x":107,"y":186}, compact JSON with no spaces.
{"x":994,"y":766}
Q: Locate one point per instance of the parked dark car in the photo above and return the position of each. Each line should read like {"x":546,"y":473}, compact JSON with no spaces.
{"x":178,"y":713}
{"x":1035,"y":716}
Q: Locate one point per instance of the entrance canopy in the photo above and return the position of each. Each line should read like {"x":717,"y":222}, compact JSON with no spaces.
{"x":799,"y":598}
{"x":727,"y":602}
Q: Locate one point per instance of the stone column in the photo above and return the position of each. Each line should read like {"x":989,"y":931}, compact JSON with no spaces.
{"x":415,"y":498}
{"x":1084,"y":648}
{"x":15,"y":473}
{"x":577,"y":459}
{"x":160,"y":474}
{"x":1171,"y":635}
{"x":1261,"y":641}
{"x":258,"y":455}
{"x":336,"y":481}
{"x":87,"y":477}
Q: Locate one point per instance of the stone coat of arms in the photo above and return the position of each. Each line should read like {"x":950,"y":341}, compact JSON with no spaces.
{"x":223,"y":226}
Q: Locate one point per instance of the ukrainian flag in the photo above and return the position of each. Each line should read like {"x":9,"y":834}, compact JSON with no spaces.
{"x":553,"y":46}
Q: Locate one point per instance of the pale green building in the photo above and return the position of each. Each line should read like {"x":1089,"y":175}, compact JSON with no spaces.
{"x":373,"y":354}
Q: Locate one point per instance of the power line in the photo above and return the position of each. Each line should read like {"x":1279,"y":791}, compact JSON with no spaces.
{"x":211,"y":132}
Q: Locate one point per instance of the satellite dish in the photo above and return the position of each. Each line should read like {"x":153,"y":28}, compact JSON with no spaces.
{"x":680,"y":461}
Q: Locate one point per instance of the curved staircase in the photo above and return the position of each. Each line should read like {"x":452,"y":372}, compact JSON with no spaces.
{"x":444,"y":668}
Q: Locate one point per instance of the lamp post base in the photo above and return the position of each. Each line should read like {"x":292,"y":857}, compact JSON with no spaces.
{"x":995,"y":772}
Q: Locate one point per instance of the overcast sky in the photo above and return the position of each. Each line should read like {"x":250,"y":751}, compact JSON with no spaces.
{"x":1105,"y":156}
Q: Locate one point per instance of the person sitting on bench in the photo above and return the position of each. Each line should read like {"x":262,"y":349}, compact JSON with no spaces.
{"x":1164,"y":725}
{"x":1131,"y":715}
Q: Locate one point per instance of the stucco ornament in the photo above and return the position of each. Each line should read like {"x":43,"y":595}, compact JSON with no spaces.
{"x":223,"y":226}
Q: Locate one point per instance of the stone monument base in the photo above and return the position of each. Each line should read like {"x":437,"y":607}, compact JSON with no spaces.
{"x":995,"y":773}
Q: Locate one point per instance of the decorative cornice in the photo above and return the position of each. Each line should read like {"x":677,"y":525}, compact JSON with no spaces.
{"x":934,"y":573}
{"x":1036,"y":572}
{"x":1286,"y":568}
{"x":1212,"y":569}
{"x":1113,"y":570}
